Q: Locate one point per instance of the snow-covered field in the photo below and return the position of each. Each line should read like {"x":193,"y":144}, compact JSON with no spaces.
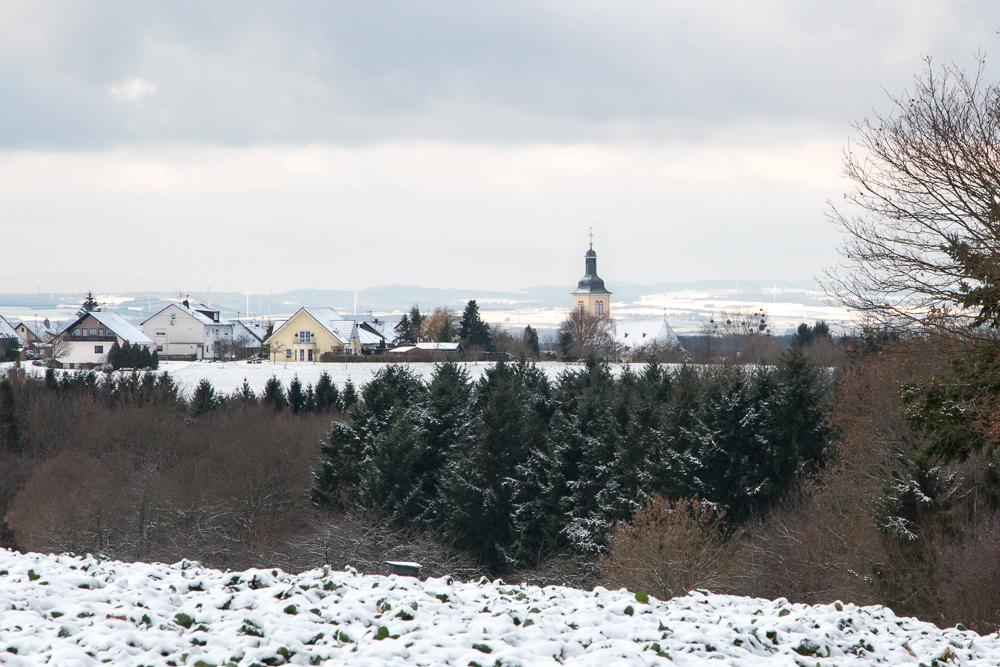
{"x":228,"y":377}
{"x":66,"y":610}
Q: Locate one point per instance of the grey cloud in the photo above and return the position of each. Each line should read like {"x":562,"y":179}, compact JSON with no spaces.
{"x":244,"y":73}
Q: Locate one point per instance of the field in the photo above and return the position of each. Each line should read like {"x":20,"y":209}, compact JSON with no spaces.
{"x":228,"y":377}
{"x":71,"y":610}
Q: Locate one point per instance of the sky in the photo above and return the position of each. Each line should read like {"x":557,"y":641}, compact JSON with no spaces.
{"x":262,"y":146}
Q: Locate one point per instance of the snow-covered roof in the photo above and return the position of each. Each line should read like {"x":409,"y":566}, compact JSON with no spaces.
{"x":120,"y":327}
{"x":7,"y":331}
{"x":402,"y":349}
{"x":329,"y":319}
{"x":192,"y":311}
{"x":636,"y":333}
{"x":44,"y":333}
{"x":368,"y":338}
{"x":440,"y":347}
{"x":246,"y":334}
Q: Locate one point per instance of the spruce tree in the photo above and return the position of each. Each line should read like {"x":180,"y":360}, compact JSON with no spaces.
{"x":246,"y":393}
{"x":274,"y":394}
{"x":530,"y":341}
{"x":416,"y":321}
{"x":204,"y":399}
{"x":473,"y":332}
{"x":154,"y":361}
{"x":336,"y":481}
{"x":89,"y":305}
{"x":296,"y":397}
{"x":348,"y":397}
{"x":145,"y":358}
{"x":404,"y":331}
{"x":483,"y":489}
{"x":327,"y":395}
{"x":447,"y":332}
{"x":115,"y":356}
{"x":126,"y":357}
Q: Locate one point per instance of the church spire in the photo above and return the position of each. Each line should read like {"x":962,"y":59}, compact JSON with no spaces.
{"x":591,"y":296}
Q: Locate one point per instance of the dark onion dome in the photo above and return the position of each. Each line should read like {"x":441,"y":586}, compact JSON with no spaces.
{"x":591,"y":283}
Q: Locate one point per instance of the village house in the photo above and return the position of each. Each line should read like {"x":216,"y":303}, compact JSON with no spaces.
{"x":90,"y":338}
{"x":36,"y":335}
{"x":189,"y":332}
{"x":9,"y":338}
{"x":312,"y":332}
{"x":248,"y":337}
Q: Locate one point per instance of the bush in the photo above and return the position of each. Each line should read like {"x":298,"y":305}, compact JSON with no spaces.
{"x":671,"y":548}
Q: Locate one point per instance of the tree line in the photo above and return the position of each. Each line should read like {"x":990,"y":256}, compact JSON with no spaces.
{"x":514,"y":468}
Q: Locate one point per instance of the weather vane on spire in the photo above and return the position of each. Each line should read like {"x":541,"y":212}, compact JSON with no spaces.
{"x":591,"y":237}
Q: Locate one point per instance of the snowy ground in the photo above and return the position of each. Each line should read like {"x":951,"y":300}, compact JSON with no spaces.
{"x":228,"y":377}
{"x":66,"y":610}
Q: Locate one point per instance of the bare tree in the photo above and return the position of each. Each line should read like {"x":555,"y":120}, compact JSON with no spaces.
{"x":922,"y":227}
{"x":586,"y":334}
{"x":56,"y":349}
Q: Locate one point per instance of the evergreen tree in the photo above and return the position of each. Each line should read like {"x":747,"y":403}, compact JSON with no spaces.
{"x":296,"y":397}
{"x":348,"y":397}
{"x":327,"y":395}
{"x":404,"y":330}
{"x":530,"y":341}
{"x":483,"y":489}
{"x":800,"y":421}
{"x":416,"y":321}
{"x":10,"y":432}
{"x":115,"y":356}
{"x":274,"y":394}
{"x":154,"y":361}
{"x":473,"y":332}
{"x":246,"y":393}
{"x":50,"y":379}
{"x":204,"y":399}
{"x":126,"y":357}
{"x":336,"y":481}
{"x":447,"y":332}
{"x":565,"y":343}
{"x":145,"y":358}
{"x":89,"y":305}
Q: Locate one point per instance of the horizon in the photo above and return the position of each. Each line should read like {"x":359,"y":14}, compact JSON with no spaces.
{"x":263,"y":147}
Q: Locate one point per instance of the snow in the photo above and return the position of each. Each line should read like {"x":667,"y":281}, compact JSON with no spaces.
{"x":121,"y":327}
{"x":228,"y":377}
{"x":70,"y":610}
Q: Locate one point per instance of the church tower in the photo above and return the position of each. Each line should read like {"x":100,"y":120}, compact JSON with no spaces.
{"x":590,"y":295}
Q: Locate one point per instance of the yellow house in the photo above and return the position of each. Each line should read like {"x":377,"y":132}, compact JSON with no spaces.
{"x":591,"y":296}
{"x":312,"y":331}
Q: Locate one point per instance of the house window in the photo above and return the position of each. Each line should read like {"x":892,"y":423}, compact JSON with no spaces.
{"x":161,"y":332}
{"x":288,"y":353}
{"x":159,"y":348}
{"x":599,"y":308}
{"x":580,"y":307}
{"x":305,"y":336}
{"x":310,"y":354}
{"x":98,"y":349}
{"x":173,"y":316}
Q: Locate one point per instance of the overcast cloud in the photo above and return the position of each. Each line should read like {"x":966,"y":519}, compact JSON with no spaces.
{"x":255,"y":146}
